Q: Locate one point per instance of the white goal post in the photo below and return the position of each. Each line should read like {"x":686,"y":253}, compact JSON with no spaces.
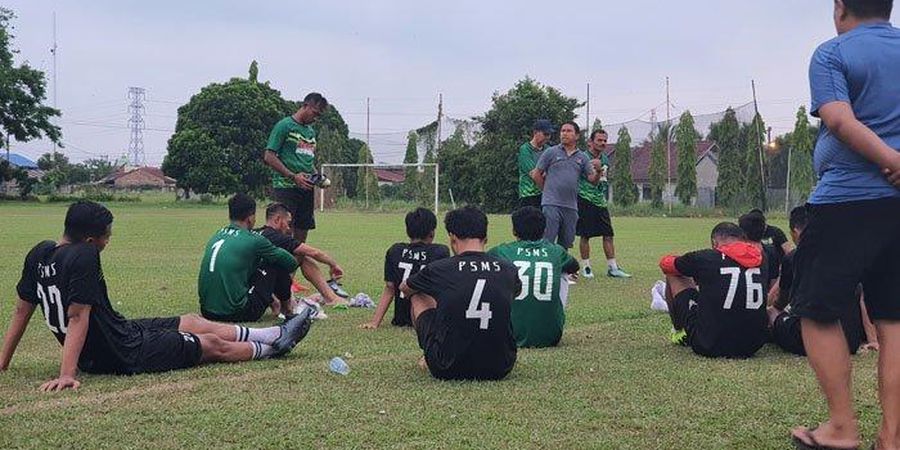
{"x":386,"y":166}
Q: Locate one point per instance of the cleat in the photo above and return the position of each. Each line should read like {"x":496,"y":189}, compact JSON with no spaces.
{"x":337,"y":288}
{"x":587,"y":272}
{"x":617,"y":273}
{"x":293,"y":330}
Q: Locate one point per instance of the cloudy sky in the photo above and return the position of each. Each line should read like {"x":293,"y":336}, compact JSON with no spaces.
{"x":403,"y":53}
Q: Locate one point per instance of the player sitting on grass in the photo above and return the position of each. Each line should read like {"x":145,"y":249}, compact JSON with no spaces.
{"x":405,"y":259}
{"x":754,"y":225}
{"x":66,"y":280}
{"x":716,"y":297}
{"x":232,"y":286}
{"x":786,"y":329}
{"x":461,"y":305}
{"x":537,"y":312}
{"x":278,"y":231}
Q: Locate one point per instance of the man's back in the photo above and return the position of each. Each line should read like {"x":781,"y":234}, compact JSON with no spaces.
{"x":231,"y":256}
{"x":403,"y":260}
{"x":537,"y":312}
{"x":860,"y":67}
{"x":55,"y":277}
{"x":473,"y":291}
{"x":731,"y":314}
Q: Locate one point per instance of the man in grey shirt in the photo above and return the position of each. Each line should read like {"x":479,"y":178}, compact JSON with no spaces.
{"x":557,"y":174}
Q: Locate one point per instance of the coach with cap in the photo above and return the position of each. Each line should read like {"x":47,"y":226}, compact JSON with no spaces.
{"x":529,"y":153}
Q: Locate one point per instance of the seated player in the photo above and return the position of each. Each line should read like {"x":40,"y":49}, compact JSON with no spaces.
{"x":754,"y":226}
{"x":405,"y":259}
{"x":65,"y":279}
{"x":716,"y":297}
{"x":231,"y":285}
{"x":461,"y":305}
{"x":786,"y":330}
{"x":279,"y":232}
{"x":537,"y":313}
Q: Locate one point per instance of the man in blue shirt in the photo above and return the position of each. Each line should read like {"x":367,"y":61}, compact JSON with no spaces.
{"x":853,"y":233}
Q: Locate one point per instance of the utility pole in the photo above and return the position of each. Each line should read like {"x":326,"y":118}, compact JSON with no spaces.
{"x":762,"y":160}
{"x":440,"y":119}
{"x":668,"y":143}
{"x":587,"y":114}
{"x":367,"y":122}
{"x":53,"y":50}
{"x":136,"y":97}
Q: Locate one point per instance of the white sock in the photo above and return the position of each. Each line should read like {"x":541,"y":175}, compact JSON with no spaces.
{"x":585,"y":263}
{"x":262,"y":335}
{"x":612,"y":264}
{"x":262,"y":351}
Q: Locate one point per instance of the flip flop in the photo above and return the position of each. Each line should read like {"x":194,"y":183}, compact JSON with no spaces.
{"x":799,"y":444}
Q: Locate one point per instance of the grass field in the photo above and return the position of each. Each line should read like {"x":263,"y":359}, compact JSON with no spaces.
{"x":614,"y":382}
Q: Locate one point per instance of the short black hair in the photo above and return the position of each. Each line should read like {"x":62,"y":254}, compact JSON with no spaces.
{"x":241,"y":206}
{"x":574,"y":125}
{"x":596,"y":132}
{"x":870,"y":9}
{"x":315,"y":98}
{"x":467,"y":222}
{"x":87,"y":219}
{"x":799,"y":218}
{"x":725,"y":230}
{"x":420,"y":223}
{"x":754,"y":224}
{"x":276,"y":209}
{"x":529,"y":223}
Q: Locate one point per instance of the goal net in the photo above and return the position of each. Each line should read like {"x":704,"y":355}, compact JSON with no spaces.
{"x":380,"y":187}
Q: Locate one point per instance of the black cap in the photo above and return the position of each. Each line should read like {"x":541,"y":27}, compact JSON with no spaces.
{"x":543,"y":125}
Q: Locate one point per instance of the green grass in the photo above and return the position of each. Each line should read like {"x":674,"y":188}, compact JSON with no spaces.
{"x":614,"y":382}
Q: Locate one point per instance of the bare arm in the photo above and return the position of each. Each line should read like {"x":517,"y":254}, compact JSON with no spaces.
{"x":300,"y":179}
{"x":17,"y":327}
{"x":787,"y":247}
{"x":538,"y":176}
{"x":407,"y":291}
{"x":868,"y":327}
{"x":387,"y":297}
{"x":840,"y":120}
{"x":308,"y":251}
{"x":79,"y":316}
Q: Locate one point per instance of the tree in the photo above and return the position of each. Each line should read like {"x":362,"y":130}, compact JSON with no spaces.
{"x":623,"y":187}
{"x":426,"y":178}
{"x":802,"y":176}
{"x":659,"y":165}
{"x":686,"y":138}
{"x":367,"y":182}
{"x":350,"y":174}
{"x":727,"y":135}
{"x":503,"y":128}
{"x":598,"y":125}
{"x":237,"y":116}
{"x":753,"y":187}
{"x":410,"y":182}
{"x":197,"y":164}
{"x":57,"y":168}
{"x":458,"y":168}
{"x":22,"y":92}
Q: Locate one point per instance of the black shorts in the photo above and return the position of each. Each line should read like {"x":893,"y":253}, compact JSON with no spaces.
{"x":534,"y":200}
{"x":301,"y":203}
{"x":843,"y":245}
{"x":593,"y":220}
{"x":262,"y":286}
{"x":685,"y":311}
{"x":432,"y":334}
{"x":164,"y":348}
{"x":787,"y":333}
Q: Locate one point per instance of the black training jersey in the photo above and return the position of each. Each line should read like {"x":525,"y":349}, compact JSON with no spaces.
{"x":776,"y":238}
{"x":55,"y":277}
{"x":731,"y":309}
{"x":474,"y":292}
{"x":279,"y":239}
{"x":400,"y":262}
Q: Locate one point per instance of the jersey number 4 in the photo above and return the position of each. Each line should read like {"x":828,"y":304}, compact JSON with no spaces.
{"x":754,"y":290}
{"x":478,"y":310}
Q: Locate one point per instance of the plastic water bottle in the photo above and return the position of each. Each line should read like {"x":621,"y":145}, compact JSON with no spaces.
{"x":338,"y":366}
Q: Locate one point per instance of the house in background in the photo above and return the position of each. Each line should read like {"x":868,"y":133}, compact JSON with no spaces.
{"x":19,"y":161}
{"x":138,"y":178}
{"x":707,"y":164}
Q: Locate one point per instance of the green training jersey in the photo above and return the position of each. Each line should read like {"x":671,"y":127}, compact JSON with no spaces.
{"x":537,"y":312}
{"x":528,"y":157}
{"x":295,"y":145}
{"x":231,"y":258}
{"x":596,"y":194}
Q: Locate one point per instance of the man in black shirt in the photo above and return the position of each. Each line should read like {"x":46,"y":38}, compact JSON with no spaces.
{"x":403,"y":260}
{"x":717,"y":296}
{"x":461,"y":305}
{"x":276,"y":281}
{"x":66,"y":280}
{"x":754,"y":225}
{"x":786,"y":328}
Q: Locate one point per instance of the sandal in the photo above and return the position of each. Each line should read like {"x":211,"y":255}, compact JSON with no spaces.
{"x":813,"y":444}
